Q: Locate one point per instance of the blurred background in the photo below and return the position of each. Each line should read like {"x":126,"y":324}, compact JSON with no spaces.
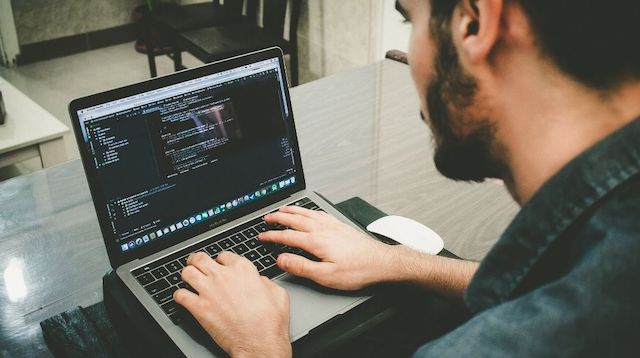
{"x":53,"y":51}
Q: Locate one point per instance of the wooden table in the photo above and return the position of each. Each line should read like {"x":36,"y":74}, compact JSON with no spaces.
{"x":360,"y":135}
{"x":29,"y":131}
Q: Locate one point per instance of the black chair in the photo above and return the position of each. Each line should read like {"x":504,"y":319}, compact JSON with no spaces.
{"x":165,"y":20}
{"x":213,"y":43}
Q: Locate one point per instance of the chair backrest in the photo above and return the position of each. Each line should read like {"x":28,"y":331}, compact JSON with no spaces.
{"x":397,"y":55}
{"x":233,"y":7}
{"x":273,"y":16}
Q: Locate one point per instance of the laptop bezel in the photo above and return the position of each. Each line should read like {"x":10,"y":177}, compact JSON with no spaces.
{"x":118,"y":258}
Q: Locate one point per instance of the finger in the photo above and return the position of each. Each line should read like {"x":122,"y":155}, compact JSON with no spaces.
{"x":293,"y":209}
{"x":267,"y":281}
{"x":303,"y":267}
{"x":294,"y":221}
{"x":289,"y":237}
{"x":186,"y":298}
{"x":195,"y":278}
{"x":227,"y":258}
{"x":202,"y":262}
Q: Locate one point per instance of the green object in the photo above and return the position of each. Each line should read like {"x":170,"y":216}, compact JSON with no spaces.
{"x":150,"y":5}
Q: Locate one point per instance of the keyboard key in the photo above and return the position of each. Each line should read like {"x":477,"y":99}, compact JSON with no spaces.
{"x":252,"y":255}
{"x":186,"y":286}
{"x":291,"y":250}
{"x":213,"y":249}
{"x":237,"y":238}
{"x":267,"y":261}
{"x":272,"y":247}
{"x":181,"y":316}
{"x":311,"y":206}
{"x":174,"y":279}
{"x":275,"y":227}
{"x":240,"y":249}
{"x":262,"y":250}
{"x":160,"y":272}
{"x":258,"y":265}
{"x":253,"y":243}
{"x":141,"y":270}
{"x":170,"y":307}
{"x":226,"y":244}
{"x":183,"y":260}
{"x":262,"y":227}
{"x":157,"y":286}
{"x":173,"y":266}
{"x":177,"y":318}
{"x":249,"y":233}
{"x":271,"y":272}
{"x":164,"y":296}
{"x":145,"y":279}
{"x":302,"y":201}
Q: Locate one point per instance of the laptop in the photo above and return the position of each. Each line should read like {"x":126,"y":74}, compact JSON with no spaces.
{"x":192,"y":162}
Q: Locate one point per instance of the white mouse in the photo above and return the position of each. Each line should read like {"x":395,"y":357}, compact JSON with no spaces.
{"x":409,"y":233}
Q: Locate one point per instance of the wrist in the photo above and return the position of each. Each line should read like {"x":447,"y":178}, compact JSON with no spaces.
{"x":390,"y":265}
{"x":402,"y":264}
{"x":280,"y":348}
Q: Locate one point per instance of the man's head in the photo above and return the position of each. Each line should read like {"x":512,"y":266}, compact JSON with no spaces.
{"x":463,"y":56}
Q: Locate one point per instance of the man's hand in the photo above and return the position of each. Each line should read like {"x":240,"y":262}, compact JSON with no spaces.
{"x":246,"y":314}
{"x":349,"y":259}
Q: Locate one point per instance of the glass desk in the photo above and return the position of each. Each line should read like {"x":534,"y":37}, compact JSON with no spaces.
{"x":360,"y":135}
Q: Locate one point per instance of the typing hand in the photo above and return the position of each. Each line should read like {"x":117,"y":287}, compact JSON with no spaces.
{"x":246,"y":314}
{"x":349,"y":259}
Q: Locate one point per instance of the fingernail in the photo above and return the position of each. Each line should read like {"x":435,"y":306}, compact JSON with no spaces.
{"x":283,"y":260}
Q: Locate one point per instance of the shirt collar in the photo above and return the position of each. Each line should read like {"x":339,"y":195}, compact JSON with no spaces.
{"x":557,"y":204}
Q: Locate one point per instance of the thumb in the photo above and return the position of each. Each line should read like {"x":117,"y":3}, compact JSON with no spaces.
{"x":300,"y":266}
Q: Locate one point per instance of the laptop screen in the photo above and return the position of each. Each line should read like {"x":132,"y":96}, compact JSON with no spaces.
{"x":172,"y":162}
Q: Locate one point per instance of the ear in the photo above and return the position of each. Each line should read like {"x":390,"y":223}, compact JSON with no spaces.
{"x":478,"y":26}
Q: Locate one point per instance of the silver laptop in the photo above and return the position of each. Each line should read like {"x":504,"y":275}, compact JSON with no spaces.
{"x":192,"y":162}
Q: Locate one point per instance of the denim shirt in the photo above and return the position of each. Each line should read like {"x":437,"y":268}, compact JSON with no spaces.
{"x":564,"y":278}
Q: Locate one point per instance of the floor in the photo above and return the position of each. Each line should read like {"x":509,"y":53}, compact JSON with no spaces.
{"x":54,"y":83}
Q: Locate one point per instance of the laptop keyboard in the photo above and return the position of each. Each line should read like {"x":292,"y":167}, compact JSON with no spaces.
{"x":163,"y":277}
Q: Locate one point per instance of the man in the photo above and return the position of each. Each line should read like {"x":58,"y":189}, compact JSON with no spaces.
{"x":544,"y":94}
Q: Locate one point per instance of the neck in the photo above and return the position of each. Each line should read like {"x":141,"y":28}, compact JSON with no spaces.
{"x":549,"y":120}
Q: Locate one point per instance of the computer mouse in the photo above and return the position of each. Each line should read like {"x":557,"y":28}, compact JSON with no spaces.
{"x":408,"y":232}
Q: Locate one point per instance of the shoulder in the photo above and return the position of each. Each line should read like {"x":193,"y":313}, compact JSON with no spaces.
{"x":589,"y":310}
{"x":612,"y":227}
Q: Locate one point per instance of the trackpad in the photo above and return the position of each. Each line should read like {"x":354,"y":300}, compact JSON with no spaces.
{"x":312,"y":305}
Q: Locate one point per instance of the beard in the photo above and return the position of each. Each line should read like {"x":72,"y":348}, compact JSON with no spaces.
{"x":468,"y":156}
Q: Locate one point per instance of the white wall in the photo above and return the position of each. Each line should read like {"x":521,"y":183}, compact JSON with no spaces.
{"x":395,"y":34}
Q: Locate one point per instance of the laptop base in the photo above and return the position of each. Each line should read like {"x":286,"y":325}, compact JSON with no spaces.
{"x":143,"y":336}
{"x":128,"y":329}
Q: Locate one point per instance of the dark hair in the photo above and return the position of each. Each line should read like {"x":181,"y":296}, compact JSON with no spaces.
{"x":597,"y":42}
